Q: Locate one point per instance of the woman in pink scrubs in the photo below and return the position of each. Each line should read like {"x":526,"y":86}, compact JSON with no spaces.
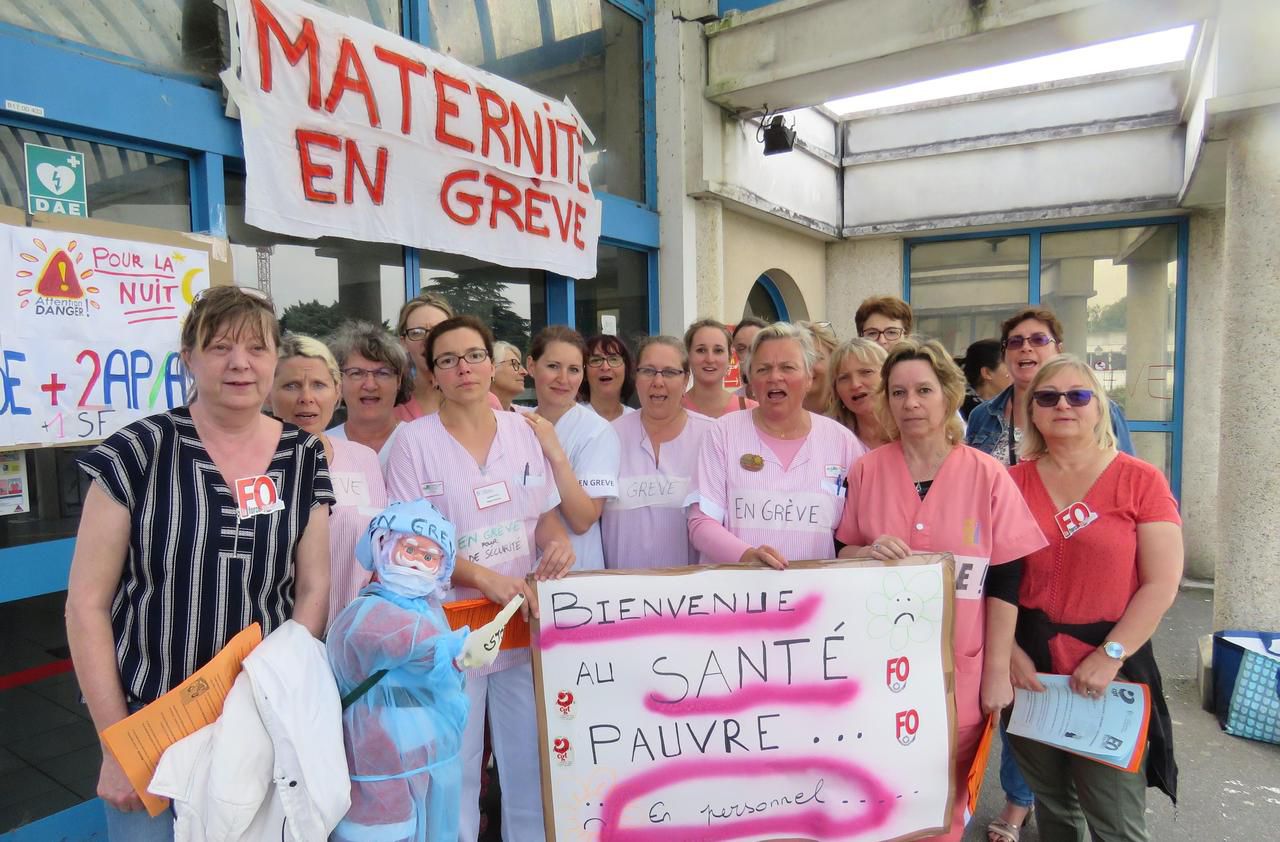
{"x":484,"y":469}
{"x":659,"y":452}
{"x":770,"y":481}
{"x":928,"y":492}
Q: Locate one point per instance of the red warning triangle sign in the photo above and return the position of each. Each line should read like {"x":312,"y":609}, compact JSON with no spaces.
{"x":59,"y":279}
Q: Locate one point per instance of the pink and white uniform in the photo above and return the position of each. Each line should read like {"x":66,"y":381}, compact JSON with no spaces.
{"x":495,"y":508}
{"x":793,"y":509}
{"x":651,"y":496}
{"x":357,"y":483}
{"x":974,"y":511}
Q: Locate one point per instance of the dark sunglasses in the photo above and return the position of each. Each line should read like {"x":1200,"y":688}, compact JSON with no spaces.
{"x":1013,"y":343}
{"x":1048,"y":398}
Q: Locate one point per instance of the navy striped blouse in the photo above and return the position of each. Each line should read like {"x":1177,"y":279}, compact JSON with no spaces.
{"x":197,"y":574}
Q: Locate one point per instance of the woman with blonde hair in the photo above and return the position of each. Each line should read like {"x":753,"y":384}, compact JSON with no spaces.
{"x":306,"y":391}
{"x":852,"y":390}
{"x":777,"y":448}
{"x":417,"y":317}
{"x":824,"y":343}
{"x":926,"y":492}
{"x":1090,"y":600}
{"x":707,"y":342}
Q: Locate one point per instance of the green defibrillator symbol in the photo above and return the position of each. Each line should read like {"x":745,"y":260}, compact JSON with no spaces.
{"x":55,"y":181}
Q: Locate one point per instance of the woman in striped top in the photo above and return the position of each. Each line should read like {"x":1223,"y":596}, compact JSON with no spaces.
{"x":306,"y":393}
{"x":199,"y":522}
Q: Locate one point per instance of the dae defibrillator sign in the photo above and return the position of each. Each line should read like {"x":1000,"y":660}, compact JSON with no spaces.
{"x":56,"y":181}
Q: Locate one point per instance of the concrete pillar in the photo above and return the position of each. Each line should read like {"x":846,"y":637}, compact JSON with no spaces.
{"x":1248,"y":577}
{"x":680,"y":70}
{"x":709,"y":261}
{"x":360,"y":286}
{"x":1073,"y":288}
{"x":1202,"y":394}
{"x":857,"y":270}
{"x":1148,"y":365}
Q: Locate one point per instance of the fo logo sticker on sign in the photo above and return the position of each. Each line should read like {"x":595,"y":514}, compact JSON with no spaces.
{"x":257,"y":496}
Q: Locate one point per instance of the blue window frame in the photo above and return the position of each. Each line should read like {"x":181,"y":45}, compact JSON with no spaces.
{"x":1035,"y":236}
{"x":85,"y":93}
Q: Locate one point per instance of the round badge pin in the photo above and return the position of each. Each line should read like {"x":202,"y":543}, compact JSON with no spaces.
{"x":751,"y":461}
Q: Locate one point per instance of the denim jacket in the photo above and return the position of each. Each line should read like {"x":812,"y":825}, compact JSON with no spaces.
{"x":986,"y":423}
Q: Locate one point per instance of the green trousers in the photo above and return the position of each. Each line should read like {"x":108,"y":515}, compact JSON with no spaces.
{"x":1078,"y":799}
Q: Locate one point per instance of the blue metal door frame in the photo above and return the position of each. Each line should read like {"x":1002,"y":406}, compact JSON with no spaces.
{"x":1172,"y":427}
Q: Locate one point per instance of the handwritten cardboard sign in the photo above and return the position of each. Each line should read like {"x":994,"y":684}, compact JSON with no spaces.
{"x":89,"y":341}
{"x":352,"y":131}
{"x":743,"y":703}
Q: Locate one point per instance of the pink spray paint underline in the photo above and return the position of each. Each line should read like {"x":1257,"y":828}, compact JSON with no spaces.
{"x":149,"y":310}
{"x":733,"y":623}
{"x":879,"y":800}
{"x":821,"y":693}
{"x":154,"y":319}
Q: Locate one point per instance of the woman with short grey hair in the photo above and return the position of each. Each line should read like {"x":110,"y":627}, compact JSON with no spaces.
{"x":375,"y":380}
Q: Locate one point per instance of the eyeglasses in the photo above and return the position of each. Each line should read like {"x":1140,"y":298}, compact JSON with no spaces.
{"x":1048,"y":398}
{"x":360,"y":375}
{"x":514,"y":362}
{"x":1038,"y":340}
{"x":893,"y":334}
{"x":666,"y":373}
{"x":416,"y":334}
{"x":473,"y":357}
{"x":614,"y":360}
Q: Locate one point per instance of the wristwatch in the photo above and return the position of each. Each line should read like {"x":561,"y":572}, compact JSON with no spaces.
{"x":1114,"y":650}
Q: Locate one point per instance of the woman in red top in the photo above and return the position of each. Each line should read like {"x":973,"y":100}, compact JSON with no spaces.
{"x":1090,"y":601}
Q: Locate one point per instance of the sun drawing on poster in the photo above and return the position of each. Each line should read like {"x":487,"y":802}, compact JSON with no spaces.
{"x":57,"y":283}
{"x":584,"y":807}
{"x":905,"y":612}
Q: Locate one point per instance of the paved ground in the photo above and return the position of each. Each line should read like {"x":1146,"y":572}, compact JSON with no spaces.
{"x":1229,"y":788}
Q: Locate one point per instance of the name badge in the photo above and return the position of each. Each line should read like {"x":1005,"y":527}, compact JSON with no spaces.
{"x":432,"y":489}
{"x":494,"y":545}
{"x":835,"y":472}
{"x":1074,"y":518}
{"x":351,"y":488}
{"x":494,"y":494}
{"x":257,"y":496}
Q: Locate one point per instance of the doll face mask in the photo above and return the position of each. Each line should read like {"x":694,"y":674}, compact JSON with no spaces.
{"x":412,"y":565}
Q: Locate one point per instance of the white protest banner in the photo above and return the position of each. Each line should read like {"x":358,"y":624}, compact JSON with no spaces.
{"x":352,"y":131}
{"x":90,"y":338}
{"x":716,"y":703}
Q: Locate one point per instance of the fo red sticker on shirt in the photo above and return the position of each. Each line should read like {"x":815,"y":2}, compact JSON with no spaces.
{"x":1074,"y":518}
{"x":257,"y":496}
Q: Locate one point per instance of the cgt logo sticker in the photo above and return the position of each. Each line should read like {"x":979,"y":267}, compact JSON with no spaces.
{"x":564,"y":702}
{"x":563,"y":751}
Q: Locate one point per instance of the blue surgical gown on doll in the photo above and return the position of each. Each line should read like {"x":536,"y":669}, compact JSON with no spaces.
{"x":404,"y":733}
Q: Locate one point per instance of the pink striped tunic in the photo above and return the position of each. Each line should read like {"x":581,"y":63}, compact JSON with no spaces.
{"x":494,"y":507}
{"x":357,"y":483}
{"x":651,"y":496}
{"x":794,"y":510}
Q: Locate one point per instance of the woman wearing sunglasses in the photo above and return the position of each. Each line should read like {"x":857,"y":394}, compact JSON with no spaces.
{"x":1030,"y":338}
{"x":610,"y":380}
{"x":659,"y":454}
{"x":484,"y":470}
{"x":1090,"y":601}
{"x":926,"y":492}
